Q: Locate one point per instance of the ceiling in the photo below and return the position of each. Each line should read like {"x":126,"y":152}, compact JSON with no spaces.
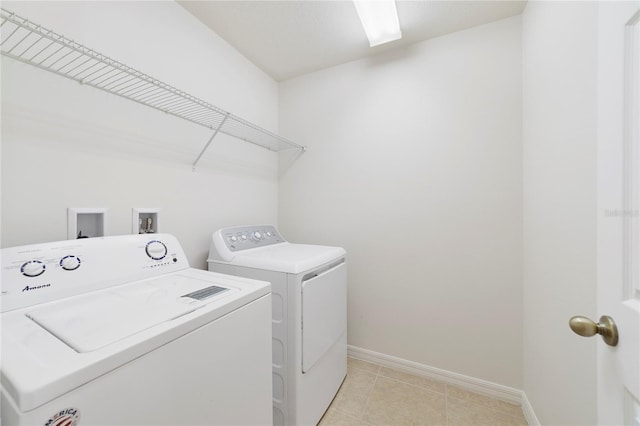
{"x":294,"y":37}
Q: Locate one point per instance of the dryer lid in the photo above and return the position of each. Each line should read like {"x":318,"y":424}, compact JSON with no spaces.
{"x":287,"y":257}
{"x":92,"y":321}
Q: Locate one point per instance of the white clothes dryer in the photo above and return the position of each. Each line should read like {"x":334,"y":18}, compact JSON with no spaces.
{"x":309,"y":323}
{"x":121,"y":331}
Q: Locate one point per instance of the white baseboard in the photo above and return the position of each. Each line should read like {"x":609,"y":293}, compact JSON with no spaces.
{"x":527,"y":410}
{"x":494,"y":390}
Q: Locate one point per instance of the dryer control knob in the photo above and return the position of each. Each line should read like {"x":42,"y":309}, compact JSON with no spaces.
{"x":256,"y":236}
{"x":70,"y":263}
{"x":156,"y":250}
{"x":32,"y":268}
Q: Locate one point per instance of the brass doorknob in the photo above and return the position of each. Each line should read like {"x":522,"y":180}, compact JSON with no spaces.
{"x":587,"y":328}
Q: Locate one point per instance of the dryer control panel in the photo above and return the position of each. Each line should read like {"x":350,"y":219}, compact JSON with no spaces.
{"x":39,"y":273}
{"x":231,"y":240}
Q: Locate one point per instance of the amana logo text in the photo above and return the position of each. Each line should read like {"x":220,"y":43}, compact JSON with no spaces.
{"x":35,"y":287}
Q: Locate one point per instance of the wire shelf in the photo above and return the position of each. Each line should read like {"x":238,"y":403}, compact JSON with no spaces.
{"x":30,"y":43}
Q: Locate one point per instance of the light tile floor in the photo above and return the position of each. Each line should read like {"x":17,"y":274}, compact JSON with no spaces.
{"x":376,"y":395}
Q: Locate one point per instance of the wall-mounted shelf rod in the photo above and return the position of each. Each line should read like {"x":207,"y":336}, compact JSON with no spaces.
{"x":30,"y":43}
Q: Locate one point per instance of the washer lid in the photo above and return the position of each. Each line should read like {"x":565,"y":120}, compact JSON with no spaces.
{"x":287,"y":257}
{"x":92,"y":321}
{"x":37,"y":366}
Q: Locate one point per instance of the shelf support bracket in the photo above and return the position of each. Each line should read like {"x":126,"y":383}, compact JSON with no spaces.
{"x":193,"y":166}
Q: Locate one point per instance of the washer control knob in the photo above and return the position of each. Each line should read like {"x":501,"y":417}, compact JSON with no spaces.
{"x":268,"y":234}
{"x":256,"y":236}
{"x":233,"y":239}
{"x":156,"y":250}
{"x":243,"y":238}
{"x":70,"y":263}
{"x":32,"y":268}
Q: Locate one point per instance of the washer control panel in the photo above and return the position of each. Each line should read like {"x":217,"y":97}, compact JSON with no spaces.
{"x":44,"y":272}
{"x":228,"y":241}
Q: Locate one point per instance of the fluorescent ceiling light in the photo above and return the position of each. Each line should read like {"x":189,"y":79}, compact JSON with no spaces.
{"x":379,"y":19}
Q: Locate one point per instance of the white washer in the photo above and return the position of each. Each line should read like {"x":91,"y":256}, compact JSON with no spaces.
{"x":309,"y":295}
{"x":120,"y":330}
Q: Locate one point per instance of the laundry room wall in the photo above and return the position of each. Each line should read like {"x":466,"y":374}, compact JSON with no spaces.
{"x":67,"y":145}
{"x":560,"y":86}
{"x":414,"y":165}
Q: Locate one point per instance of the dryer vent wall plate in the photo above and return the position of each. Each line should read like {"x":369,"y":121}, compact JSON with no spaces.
{"x":86,"y":222}
{"x":145,"y":220}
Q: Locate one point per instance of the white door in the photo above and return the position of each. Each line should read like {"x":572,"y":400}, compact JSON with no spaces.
{"x":618,"y":223}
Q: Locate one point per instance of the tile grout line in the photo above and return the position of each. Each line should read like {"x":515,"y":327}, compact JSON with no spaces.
{"x":413,"y":385}
{"x":446,"y":404}
{"x":360,"y":417}
{"x":366,"y":403}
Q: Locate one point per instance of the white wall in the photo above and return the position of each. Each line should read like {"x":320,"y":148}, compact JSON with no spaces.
{"x":559,"y":136}
{"x":66,"y":145}
{"x":414,"y":166}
